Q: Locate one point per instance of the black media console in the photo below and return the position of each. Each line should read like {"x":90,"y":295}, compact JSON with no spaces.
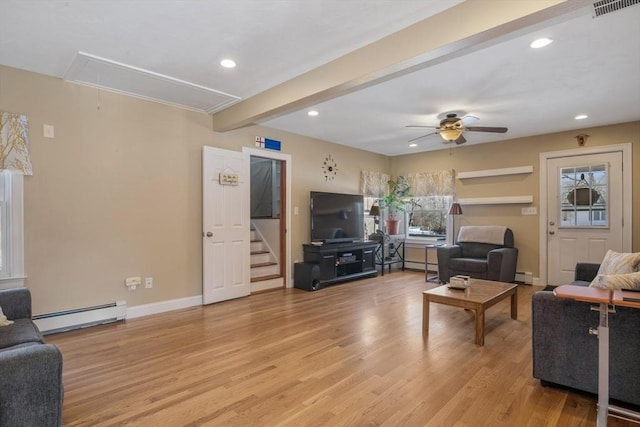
{"x":334,"y":262}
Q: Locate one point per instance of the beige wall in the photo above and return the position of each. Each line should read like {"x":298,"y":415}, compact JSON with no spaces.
{"x":117,"y":192}
{"x":518,"y":152}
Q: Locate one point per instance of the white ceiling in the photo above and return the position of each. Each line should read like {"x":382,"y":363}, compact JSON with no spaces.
{"x":593,"y":66}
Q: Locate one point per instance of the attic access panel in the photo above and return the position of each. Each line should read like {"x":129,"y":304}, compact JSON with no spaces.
{"x":110,"y":75}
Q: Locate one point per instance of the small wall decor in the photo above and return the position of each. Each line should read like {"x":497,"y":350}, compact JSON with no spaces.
{"x":329,"y":168}
{"x":14,"y":143}
{"x":582,"y":139}
{"x":268,"y":143}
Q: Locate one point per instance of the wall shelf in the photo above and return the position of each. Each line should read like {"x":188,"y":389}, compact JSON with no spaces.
{"x":496,"y":172}
{"x":505,"y":200}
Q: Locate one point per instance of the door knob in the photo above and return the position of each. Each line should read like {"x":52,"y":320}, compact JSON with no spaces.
{"x":209,"y":234}
{"x":552,"y":232}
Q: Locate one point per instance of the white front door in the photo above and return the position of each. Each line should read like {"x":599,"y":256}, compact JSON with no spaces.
{"x":226,"y":224}
{"x":584,"y":211}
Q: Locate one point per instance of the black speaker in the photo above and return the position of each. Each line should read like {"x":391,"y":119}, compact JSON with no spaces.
{"x":306,"y":276}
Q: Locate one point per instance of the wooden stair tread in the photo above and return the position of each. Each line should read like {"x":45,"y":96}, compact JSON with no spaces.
{"x":263,"y":264}
{"x":267,"y":277}
{"x":259,"y":252}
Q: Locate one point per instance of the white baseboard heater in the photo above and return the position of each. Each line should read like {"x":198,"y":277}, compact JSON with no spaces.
{"x":68,"y":320}
{"x":525,"y":277}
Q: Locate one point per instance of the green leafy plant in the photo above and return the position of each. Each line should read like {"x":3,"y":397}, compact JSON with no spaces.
{"x":398,"y":197}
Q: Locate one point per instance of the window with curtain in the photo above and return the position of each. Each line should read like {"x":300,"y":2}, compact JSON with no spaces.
{"x":11,"y":230}
{"x":373,"y":185}
{"x":433,"y":193}
{"x":427,"y":209}
{"x":14,"y":163}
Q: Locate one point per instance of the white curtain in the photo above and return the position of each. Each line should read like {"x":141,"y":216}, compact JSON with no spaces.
{"x":433,"y":183}
{"x":373,"y":184}
{"x":14,"y":143}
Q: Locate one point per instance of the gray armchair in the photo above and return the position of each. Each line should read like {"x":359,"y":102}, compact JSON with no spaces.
{"x":481,"y":252}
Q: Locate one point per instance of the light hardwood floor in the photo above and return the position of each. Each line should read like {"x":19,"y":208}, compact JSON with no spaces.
{"x":350,"y":354}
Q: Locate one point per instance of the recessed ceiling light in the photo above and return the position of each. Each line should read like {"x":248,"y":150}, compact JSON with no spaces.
{"x":228,"y":63}
{"x":413,"y":145}
{"x":581,"y":117}
{"x":536,"y":44}
{"x":312,"y":113}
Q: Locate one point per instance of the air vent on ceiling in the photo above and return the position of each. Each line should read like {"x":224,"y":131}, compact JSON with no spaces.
{"x":603,"y":7}
{"x":111,"y":75}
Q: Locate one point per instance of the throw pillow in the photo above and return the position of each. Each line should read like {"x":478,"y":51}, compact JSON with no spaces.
{"x":617,"y":281}
{"x":3,"y":319}
{"x":620,"y":263}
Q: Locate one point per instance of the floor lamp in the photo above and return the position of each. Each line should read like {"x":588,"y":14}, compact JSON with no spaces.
{"x":454,"y":210}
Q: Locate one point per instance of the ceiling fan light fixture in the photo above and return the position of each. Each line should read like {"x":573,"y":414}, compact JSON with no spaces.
{"x":450,"y":134}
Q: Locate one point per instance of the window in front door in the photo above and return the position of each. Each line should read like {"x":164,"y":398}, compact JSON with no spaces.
{"x":584,"y":196}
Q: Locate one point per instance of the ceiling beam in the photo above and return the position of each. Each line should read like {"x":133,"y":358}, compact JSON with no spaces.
{"x":468,"y":26}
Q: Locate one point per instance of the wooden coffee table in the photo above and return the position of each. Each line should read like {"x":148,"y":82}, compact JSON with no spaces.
{"x":480,"y":295}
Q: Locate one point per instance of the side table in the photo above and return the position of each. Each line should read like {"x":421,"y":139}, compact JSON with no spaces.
{"x":390,"y":252}
{"x":431,"y":260}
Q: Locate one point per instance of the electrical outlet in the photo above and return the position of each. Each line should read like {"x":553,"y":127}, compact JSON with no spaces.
{"x":148,"y":282}
{"x":133,"y":282}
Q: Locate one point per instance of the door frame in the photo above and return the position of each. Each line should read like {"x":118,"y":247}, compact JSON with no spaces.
{"x":627,"y":194}
{"x":286,"y":158}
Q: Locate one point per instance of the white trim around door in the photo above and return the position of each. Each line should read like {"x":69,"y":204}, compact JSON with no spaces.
{"x":276,"y":155}
{"x":627,"y":194}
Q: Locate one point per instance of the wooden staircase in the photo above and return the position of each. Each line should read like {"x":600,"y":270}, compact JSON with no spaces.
{"x":264,"y":266}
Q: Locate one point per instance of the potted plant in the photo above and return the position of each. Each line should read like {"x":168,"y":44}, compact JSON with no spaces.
{"x":395,"y":201}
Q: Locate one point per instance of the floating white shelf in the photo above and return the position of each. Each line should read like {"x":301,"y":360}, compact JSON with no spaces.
{"x":505,"y":200}
{"x":495,"y":172}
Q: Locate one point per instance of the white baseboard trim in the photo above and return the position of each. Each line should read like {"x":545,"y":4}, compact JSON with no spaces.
{"x":161,"y":307}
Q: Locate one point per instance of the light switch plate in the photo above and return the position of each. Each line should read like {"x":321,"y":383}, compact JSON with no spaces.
{"x":48,"y":131}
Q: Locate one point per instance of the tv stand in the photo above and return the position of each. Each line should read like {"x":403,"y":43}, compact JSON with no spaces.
{"x":341,"y":262}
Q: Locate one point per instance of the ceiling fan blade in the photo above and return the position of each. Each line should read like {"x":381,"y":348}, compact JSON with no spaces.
{"x":423,"y":136}
{"x":486,"y":129}
{"x":467,"y":120}
{"x":421,"y":126}
{"x":461,"y":140}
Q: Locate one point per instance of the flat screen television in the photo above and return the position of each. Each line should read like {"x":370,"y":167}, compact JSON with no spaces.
{"x":336,"y":218}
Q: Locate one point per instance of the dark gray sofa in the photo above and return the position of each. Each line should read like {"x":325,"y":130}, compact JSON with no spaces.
{"x":31,"y":390}
{"x":565,"y":354}
{"x":479,"y":260}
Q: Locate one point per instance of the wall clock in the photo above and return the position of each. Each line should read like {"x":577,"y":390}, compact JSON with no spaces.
{"x":329,"y":168}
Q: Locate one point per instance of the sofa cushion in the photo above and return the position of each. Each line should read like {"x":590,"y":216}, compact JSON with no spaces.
{"x":20,"y":332}
{"x":470,"y":265}
{"x":617,"y":281}
{"x":619,"y":263}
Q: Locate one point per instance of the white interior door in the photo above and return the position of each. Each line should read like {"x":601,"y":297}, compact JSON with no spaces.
{"x":584,"y":211}
{"x":226,"y":224}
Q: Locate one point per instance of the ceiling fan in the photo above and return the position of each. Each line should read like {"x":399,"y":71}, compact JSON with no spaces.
{"x":452,"y":127}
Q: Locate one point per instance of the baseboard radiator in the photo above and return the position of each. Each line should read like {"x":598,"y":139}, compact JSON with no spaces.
{"x":63,"y":321}
{"x":525,"y":277}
